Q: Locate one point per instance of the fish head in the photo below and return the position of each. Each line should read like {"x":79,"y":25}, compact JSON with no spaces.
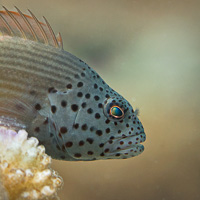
{"x":109,"y":129}
{"x":100,"y":124}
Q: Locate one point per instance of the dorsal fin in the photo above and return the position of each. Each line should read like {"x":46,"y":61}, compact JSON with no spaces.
{"x":59,"y":39}
{"x":17,"y":24}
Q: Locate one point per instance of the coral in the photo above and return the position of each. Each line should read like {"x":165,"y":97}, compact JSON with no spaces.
{"x":25,"y":168}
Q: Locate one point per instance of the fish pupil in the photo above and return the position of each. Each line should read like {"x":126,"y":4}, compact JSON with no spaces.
{"x":116,"y":112}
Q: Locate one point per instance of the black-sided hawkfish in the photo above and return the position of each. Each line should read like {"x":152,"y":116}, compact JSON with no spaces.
{"x":58,"y":98}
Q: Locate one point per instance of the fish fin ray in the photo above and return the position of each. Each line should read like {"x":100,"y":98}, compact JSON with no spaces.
{"x":7,"y":26}
{"x":44,"y":35}
{"x":17,"y":24}
{"x":52,"y":33}
{"x":28,"y":24}
{"x":16,"y":108}
{"x":60,"y":41}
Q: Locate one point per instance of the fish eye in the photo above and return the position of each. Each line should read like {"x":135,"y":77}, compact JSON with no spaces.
{"x":116,"y":112}
{"x":113,"y":109}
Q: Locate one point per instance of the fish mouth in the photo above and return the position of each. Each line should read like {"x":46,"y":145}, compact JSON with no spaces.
{"x":125,"y":146}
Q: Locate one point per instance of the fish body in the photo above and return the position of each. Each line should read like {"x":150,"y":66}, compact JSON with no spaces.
{"x":58,"y":98}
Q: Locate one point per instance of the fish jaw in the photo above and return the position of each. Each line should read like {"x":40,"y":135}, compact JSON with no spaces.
{"x":125,"y":147}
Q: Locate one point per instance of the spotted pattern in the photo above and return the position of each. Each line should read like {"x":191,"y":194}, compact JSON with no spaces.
{"x":90,"y":140}
{"x":53,"y":109}
{"x":81,"y":143}
{"x":69,"y":144}
{"x":38,"y":106}
{"x":63,"y":103}
{"x":69,"y":86}
{"x":63,"y":130}
{"x":88,"y":130}
{"x":37,"y":129}
{"x":74,"y":107}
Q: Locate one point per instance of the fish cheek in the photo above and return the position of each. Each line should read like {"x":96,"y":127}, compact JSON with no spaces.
{"x":83,"y":142}
{"x":64,"y":109}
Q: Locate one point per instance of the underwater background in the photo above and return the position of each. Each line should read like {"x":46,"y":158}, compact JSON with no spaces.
{"x":148,"y":51}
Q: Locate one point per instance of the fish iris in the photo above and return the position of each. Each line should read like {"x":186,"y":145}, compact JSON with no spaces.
{"x":117,"y":112}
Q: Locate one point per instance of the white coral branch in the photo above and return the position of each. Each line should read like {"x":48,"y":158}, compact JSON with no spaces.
{"x":25,"y":168}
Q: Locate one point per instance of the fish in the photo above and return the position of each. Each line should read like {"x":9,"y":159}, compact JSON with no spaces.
{"x":58,"y":98}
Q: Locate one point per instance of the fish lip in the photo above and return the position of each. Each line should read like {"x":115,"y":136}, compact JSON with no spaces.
{"x":131,"y":138}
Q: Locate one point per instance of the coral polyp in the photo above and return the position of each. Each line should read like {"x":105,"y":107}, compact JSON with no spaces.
{"x":25,"y":168}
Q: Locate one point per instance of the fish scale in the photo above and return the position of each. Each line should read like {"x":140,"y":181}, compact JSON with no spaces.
{"x":58,"y":98}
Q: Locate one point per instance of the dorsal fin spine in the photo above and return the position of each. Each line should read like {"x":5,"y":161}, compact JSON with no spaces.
{"x":7,"y":25}
{"x":28,"y":24}
{"x":52,"y":33}
{"x":16,"y":22}
{"x":40,"y":27}
{"x":61,"y":41}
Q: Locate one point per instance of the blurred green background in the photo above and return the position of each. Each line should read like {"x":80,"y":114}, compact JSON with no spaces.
{"x":149,"y":51}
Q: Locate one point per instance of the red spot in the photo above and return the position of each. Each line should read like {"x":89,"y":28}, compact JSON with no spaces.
{"x":68,"y":144}
{"x":106,"y":150}
{"x":78,"y":155}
